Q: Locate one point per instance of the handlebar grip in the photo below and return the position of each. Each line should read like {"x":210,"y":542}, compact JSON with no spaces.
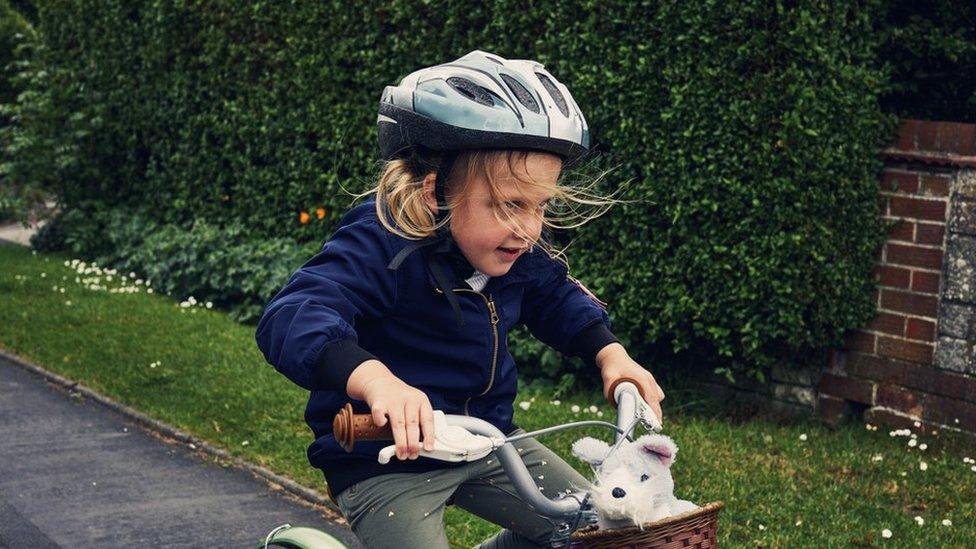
{"x":348,"y":427}
{"x":613,"y":388}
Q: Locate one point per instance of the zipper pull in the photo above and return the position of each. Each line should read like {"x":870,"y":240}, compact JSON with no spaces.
{"x":494,"y":313}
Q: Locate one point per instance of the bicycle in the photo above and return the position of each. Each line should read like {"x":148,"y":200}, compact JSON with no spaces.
{"x":465,"y":438}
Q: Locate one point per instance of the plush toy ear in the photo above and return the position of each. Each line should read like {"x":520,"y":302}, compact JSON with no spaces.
{"x":659,"y":447}
{"x":591,"y":450}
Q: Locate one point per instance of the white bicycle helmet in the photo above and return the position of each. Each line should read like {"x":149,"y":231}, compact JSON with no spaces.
{"x":479,"y":101}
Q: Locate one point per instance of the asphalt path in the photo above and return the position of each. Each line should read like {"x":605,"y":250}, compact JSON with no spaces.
{"x":75,"y":474}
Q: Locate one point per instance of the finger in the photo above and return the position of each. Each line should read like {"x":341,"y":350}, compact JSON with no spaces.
{"x":651,"y":388}
{"x":427,"y":425}
{"x":413,"y":430}
{"x":397,"y":425}
{"x":378,"y":410}
{"x":656,"y":408}
{"x":654,"y":392}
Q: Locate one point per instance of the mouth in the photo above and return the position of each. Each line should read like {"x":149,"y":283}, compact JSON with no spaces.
{"x":511,"y":253}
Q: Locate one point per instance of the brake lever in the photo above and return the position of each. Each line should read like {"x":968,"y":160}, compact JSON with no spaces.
{"x":642,"y":410}
{"x":451,"y":443}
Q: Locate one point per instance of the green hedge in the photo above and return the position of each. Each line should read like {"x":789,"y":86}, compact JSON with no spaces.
{"x":16,"y":34}
{"x":14,"y":29}
{"x":929,"y":48}
{"x":750,"y":133}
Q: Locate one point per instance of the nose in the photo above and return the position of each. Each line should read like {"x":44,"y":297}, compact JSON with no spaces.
{"x":618,"y":492}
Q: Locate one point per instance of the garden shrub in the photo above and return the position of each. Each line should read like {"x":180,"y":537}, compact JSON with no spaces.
{"x":929,"y":48}
{"x":748,"y":134}
{"x":16,"y":36}
{"x":223,"y":265}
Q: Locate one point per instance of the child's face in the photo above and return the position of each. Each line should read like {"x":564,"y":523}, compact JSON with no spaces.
{"x":478,"y":223}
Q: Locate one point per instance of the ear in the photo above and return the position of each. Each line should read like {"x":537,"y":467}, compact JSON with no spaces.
{"x":658,"y":447}
{"x":429,"y":199}
{"x":591,"y":450}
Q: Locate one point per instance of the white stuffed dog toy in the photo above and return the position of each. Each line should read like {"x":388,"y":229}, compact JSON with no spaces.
{"x":633,"y":485}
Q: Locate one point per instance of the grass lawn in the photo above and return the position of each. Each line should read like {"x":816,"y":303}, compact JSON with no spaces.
{"x":785,"y":483}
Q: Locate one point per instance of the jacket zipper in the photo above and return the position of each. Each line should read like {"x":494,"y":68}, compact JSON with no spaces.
{"x":493,"y":314}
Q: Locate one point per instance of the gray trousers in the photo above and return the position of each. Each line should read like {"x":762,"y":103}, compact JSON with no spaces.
{"x":406,"y":510}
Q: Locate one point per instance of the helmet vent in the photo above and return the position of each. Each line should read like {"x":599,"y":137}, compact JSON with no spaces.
{"x":471,"y":90}
{"x":490,"y":58}
{"x":521,"y":93}
{"x":554,"y":92}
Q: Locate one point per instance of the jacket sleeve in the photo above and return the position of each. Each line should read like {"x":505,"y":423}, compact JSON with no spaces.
{"x":561,"y":313}
{"x":307,"y":331}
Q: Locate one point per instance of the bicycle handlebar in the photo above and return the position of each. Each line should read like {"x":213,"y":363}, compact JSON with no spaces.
{"x":349,"y":427}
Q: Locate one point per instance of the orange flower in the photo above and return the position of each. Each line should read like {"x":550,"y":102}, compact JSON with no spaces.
{"x":320,"y":213}
{"x":304,"y":217}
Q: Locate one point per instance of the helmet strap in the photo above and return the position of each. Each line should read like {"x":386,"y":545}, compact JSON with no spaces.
{"x":443,"y":171}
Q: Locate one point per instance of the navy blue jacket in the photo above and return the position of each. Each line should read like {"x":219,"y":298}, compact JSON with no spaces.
{"x":345,"y":306}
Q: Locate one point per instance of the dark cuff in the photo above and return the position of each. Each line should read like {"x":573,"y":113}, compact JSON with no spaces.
{"x":336,"y":362}
{"x":590,"y":341}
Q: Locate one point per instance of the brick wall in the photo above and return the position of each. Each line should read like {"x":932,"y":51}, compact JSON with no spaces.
{"x":915,"y":361}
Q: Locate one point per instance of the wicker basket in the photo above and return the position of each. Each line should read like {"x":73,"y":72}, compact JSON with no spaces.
{"x":692,"y":529}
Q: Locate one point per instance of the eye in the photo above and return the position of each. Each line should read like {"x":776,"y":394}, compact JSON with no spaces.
{"x":644,"y":477}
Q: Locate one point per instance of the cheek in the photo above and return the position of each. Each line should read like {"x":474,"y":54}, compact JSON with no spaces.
{"x":483,"y":231}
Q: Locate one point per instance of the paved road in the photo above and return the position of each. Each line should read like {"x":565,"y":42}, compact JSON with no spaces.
{"x":75,"y":474}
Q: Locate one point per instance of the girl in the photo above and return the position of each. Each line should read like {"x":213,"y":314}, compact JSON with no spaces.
{"x":407,"y":307}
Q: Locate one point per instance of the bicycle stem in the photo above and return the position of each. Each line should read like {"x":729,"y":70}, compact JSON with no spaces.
{"x":563,"y":508}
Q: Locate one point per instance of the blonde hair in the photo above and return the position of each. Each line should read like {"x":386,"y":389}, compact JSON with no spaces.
{"x":401,"y":206}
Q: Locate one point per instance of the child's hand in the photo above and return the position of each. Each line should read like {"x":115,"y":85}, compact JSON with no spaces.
{"x":615,"y":363}
{"x":408,"y":408}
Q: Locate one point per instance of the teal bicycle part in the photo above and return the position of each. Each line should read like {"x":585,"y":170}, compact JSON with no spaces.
{"x":299,"y":537}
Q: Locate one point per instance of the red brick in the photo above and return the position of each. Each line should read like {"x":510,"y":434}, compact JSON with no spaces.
{"x":902,"y":229}
{"x":915,"y":256}
{"x":948,"y":410}
{"x":857,"y":390}
{"x":881,"y":416}
{"x":903,"y":400}
{"x":932,"y":416}
{"x":888,"y":323}
{"x":918,"y":208}
{"x":831,"y":409}
{"x":905,"y":350}
{"x":935,"y":185}
{"x":925,"y":282}
{"x":966,"y":140}
{"x":915,"y":304}
{"x":836,"y":360}
{"x":927,"y":136}
{"x":859,"y":341}
{"x":919,"y":329}
{"x":876,"y":368}
{"x":911,"y":375}
{"x":929,"y":233}
{"x":906,"y":135}
{"x":905,"y":182}
{"x":953,"y":385}
{"x":946,"y":136}
{"x":894,"y":277}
